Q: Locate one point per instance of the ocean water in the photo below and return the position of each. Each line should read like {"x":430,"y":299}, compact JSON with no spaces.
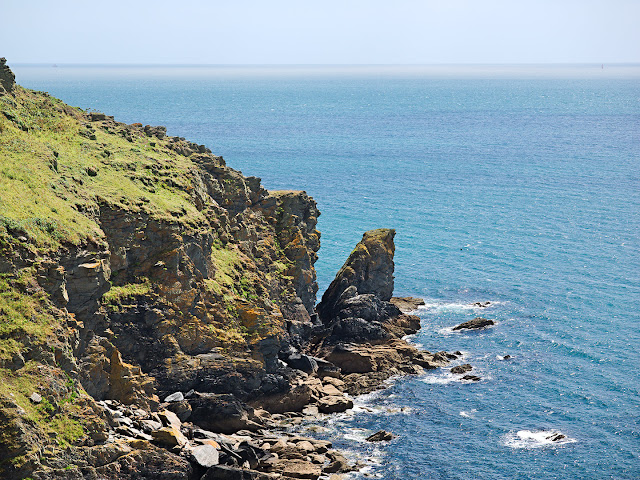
{"x":518,"y":186}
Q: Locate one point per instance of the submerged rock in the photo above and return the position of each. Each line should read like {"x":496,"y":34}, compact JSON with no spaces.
{"x":462,"y":368}
{"x":476,"y":323}
{"x":381,"y":436}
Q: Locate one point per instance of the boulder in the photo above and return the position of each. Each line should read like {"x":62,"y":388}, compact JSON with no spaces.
{"x":302,"y":362}
{"x":35,"y":397}
{"x":222,"y":413}
{"x":476,"y":323}
{"x":182,"y":409}
{"x":471,"y":378}
{"x":381,"y":436}
{"x":334,"y":403}
{"x":204,"y":455}
{"x":351,"y":359}
{"x":222,"y":472}
{"x":358,"y":329}
{"x":169,"y":419}
{"x":462,"y":368}
{"x":338,"y":464}
{"x":326,"y":369}
{"x":169,"y":436}
{"x":292,"y":401}
{"x":301,"y":469}
{"x":174,"y":397}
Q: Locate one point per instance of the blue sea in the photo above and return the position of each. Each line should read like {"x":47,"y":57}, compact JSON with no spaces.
{"x":514,"y":185}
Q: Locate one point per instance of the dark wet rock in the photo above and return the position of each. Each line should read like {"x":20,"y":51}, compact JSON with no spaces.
{"x":358,"y":329}
{"x":481,"y":304}
{"x":381,"y":436}
{"x":222,"y":413}
{"x":556,"y":437}
{"x":302,"y":362}
{"x":476,"y":323}
{"x":462,"y":369}
{"x":249,"y":454}
{"x":327,"y":369}
{"x":471,"y":378}
{"x":182,"y":409}
{"x":222,"y":472}
{"x":506,"y":357}
{"x":407,"y":304}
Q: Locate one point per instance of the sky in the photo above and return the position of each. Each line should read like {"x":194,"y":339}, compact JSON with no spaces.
{"x":336,"y":32}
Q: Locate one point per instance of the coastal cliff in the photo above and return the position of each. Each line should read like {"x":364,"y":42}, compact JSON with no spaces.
{"x":157,"y":307}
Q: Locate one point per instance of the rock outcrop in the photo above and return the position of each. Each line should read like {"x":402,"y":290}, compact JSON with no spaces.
{"x":362,"y":330}
{"x":7,"y":78}
{"x":368,"y":270}
{"x":474,"y":324}
{"x":137,"y":266}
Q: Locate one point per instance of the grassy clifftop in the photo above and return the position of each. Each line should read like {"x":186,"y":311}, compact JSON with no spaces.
{"x":58,"y":165}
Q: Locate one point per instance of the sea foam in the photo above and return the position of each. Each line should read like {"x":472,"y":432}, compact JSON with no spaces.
{"x":536,"y":439}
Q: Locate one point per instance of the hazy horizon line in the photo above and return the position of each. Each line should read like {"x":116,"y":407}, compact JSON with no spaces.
{"x":471,"y":64}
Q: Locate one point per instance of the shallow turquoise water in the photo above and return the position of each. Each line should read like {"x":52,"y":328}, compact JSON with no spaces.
{"x":522,"y":190}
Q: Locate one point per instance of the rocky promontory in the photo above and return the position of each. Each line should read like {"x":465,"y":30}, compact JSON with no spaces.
{"x":158,"y":313}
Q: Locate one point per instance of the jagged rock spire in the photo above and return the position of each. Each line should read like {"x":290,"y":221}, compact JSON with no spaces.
{"x":368,"y":270}
{"x":7,"y":78}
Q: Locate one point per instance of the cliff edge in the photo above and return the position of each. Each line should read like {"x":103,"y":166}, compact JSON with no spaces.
{"x":157,"y":308}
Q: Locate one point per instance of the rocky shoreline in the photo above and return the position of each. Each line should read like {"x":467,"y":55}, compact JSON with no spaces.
{"x":158,"y":309}
{"x":211,"y":436}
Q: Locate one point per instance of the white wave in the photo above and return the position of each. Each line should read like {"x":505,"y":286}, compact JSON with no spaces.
{"x":437,"y":307}
{"x":357,"y":435}
{"x":446,"y":331}
{"x":441,"y":378}
{"x":536,"y":439}
{"x":468,"y":414}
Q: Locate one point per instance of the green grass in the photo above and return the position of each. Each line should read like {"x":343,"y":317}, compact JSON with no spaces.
{"x":24,"y":315}
{"x":46,"y":191}
{"x":58,"y":420}
{"x":121,"y":294}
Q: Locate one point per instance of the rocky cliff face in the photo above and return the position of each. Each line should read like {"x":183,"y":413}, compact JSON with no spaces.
{"x":157,"y":308}
{"x":133,"y":265}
